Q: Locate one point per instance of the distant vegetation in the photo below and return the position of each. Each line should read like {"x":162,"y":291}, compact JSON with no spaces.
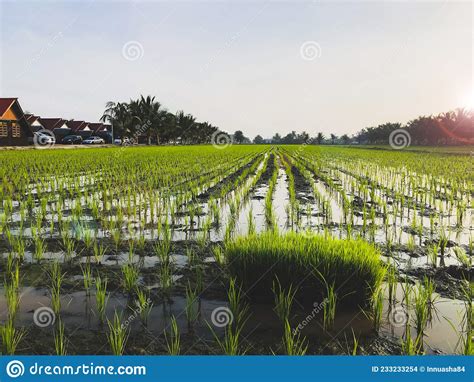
{"x":147,"y":121}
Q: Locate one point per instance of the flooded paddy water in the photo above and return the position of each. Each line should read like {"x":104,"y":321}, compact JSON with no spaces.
{"x":149,"y":249}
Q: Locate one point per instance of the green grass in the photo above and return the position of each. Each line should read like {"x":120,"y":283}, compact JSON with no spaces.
{"x":304,"y":261}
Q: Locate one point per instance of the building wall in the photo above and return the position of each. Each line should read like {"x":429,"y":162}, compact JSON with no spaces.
{"x":10,"y":140}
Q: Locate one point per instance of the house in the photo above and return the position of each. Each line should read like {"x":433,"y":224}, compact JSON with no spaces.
{"x":57,"y":125}
{"x":102,"y":130}
{"x":80,"y":128}
{"x":14,"y":128}
{"x":34,"y":122}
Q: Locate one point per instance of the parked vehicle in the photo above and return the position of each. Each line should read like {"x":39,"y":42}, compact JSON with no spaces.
{"x":44,"y":138}
{"x":72,"y":140}
{"x":93,"y":141}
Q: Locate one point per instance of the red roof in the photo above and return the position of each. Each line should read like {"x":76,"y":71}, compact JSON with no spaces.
{"x":96,"y":126}
{"x":5,"y":104}
{"x":51,"y":123}
{"x":76,"y":125}
{"x":30,"y":118}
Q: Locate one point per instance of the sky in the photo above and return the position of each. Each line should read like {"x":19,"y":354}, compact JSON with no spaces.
{"x":262,"y":67}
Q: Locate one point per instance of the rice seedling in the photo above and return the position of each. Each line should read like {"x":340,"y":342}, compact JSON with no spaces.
{"x":117,"y":335}
{"x":191,"y":310}
{"x":173,"y":344}
{"x":283,"y":300}
{"x":101,"y":296}
{"x":377,"y":308}
{"x":130,"y":275}
{"x":57,"y":278}
{"x":218,"y":255}
{"x":420,"y":305}
{"x":166,"y":278}
{"x":99,"y":251}
{"x":13,"y":299}
{"x":40,"y":248}
{"x":11,"y":337}
{"x":143,"y":304}
{"x":60,"y":341}
{"x":410,"y":345}
{"x":87,"y":277}
{"x":292,"y":342}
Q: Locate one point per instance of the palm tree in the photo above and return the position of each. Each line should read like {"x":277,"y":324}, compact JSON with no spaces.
{"x":320,"y":138}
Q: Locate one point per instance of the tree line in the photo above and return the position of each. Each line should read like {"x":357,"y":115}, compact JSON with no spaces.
{"x":450,"y":128}
{"x":146,"y":120}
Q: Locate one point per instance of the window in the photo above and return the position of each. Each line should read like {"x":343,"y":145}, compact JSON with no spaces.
{"x":3,"y":129}
{"x":16,"y":130}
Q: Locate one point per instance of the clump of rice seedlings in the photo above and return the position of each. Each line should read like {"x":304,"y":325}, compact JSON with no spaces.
{"x":218,"y":255}
{"x":99,"y":251}
{"x":173,"y":344}
{"x":410,"y":345}
{"x":420,"y":307}
{"x":329,"y":305}
{"x":236,"y":304}
{"x":88,"y":240}
{"x":283,"y":300}
{"x":116,"y":235}
{"x":57,"y":278}
{"x":130,"y":277}
{"x":86,"y":277}
{"x":377,"y":308}
{"x":11,"y":337}
{"x":141,"y":243}
{"x":69,"y":246}
{"x":462,"y":257}
{"x":162,"y":249}
{"x":443,"y":242}
{"x":230,"y":344}
{"x":192,"y":312}
{"x":40,"y":248}
{"x":60,"y":341}
{"x":433,"y":255}
{"x":101,"y":296}
{"x":19,"y":246}
{"x":292,"y":342}
{"x":13,"y":299}
{"x":191,"y":255}
{"x":429,"y":289}
{"x":199,"y":274}
{"x":117,"y":335}
{"x":166,"y":278}
{"x":352,"y":266}
{"x":143,"y":304}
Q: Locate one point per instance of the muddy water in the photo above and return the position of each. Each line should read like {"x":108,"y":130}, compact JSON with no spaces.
{"x":78,"y":310}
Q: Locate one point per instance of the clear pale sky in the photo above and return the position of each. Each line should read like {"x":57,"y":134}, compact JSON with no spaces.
{"x":240,"y":65}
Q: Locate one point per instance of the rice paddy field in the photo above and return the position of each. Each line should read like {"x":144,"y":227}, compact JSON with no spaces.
{"x":239,"y":250}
